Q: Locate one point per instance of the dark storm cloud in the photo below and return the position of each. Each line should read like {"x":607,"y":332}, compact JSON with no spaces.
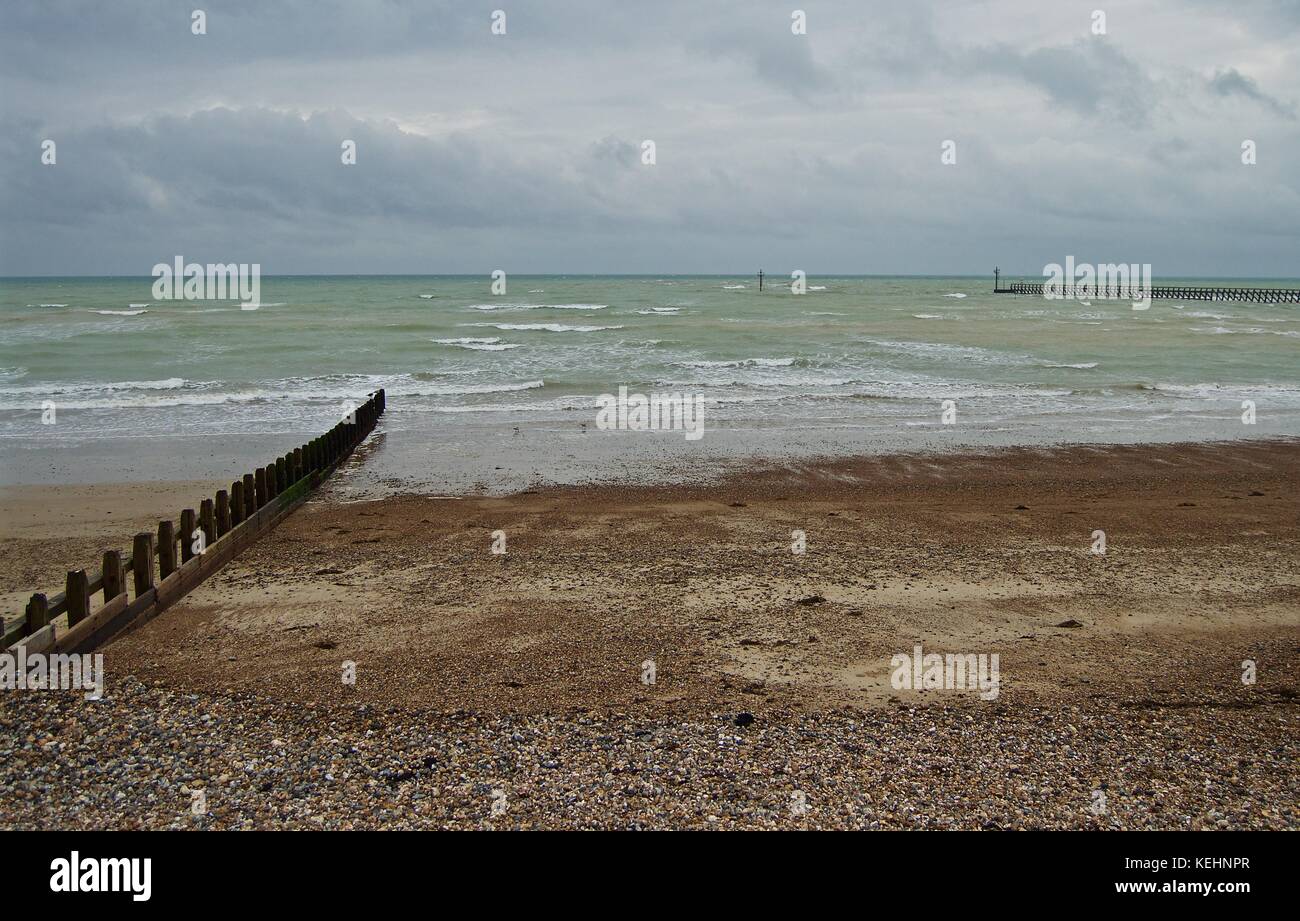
{"x":524,"y":150}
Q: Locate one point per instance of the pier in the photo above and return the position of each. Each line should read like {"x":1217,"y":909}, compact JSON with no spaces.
{"x":163,"y":568}
{"x":1168,"y":292}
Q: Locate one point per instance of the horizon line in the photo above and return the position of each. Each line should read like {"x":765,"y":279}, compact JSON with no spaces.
{"x":754,"y":274}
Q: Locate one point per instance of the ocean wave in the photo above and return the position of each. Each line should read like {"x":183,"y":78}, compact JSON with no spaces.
{"x":659,"y":311}
{"x":477,"y":344}
{"x":942,"y":351}
{"x":120,"y":313}
{"x":1216,"y":389}
{"x":302,"y":392}
{"x":1244,"y":331}
{"x":63,"y":388}
{"x":928,"y":316}
{"x":955,"y":294}
{"x":733,"y":287}
{"x":741,"y":363}
{"x":547,"y":327}
{"x":514,"y":306}
{"x":47,"y":305}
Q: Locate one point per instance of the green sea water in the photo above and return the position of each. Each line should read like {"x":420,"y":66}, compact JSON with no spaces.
{"x":854,"y":364}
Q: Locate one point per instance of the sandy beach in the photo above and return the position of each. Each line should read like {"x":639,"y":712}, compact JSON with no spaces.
{"x":520,"y":677}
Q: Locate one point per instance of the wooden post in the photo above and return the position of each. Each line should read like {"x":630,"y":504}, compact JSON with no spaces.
{"x":271,"y":481}
{"x":188,"y":526}
{"x":297,"y":464}
{"x":208,"y":522}
{"x":250,"y":496}
{"x":77,"y":592}
{"x":142,"y":562}
{"x":260,"y":477}
{"x":114,"y":584}
{"x":236,"y":502}
{"x":166,"y":549}
{"x":281,"y":478}
{"x":223,"y":513}
{"x":38,"y":613}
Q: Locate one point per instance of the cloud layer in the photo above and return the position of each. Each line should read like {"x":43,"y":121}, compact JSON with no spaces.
{"x":820,"y":151}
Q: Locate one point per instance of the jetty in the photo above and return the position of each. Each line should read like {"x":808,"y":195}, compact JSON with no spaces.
{"x":1117,"y":290}
{"x":165,"y":566}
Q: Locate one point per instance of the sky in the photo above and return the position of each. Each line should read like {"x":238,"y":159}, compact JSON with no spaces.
{"x":523,"y":151}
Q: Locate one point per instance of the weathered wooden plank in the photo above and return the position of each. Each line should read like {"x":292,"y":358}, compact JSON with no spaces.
{"x":223,"y":512}
{"x":189,"y":525}
{"x":78,"y":595}
{"x":236,"y":502}
{"x":114,"y":581}
{"x":208,"y":522}
{"x":70,"y":638}
{"x":38,"y":612}
{"x":166,"y":549}
{"x":142,"y":562}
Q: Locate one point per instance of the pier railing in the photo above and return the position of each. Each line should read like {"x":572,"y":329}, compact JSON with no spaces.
{"x":1174,"y":292}
{"x":164,"y":567}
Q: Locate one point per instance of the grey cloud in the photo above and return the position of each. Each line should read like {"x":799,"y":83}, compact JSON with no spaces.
{"x":1232,"y":82}
{"x":1088,"y":76}
{"x":475,"y":150}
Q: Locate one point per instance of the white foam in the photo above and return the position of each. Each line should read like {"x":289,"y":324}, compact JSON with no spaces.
{"x":741,"y":363}
{"x":547,"y":327}
{"x":955,"y":294}
{"x":120,"y":313}
{"x":477,"y":344}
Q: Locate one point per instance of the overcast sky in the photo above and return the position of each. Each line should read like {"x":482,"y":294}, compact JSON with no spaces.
{"x":522,"y":151}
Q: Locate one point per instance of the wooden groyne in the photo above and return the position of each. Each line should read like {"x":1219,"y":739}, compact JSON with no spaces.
{"x":1170,"y":292}
{"x":166,"y":566}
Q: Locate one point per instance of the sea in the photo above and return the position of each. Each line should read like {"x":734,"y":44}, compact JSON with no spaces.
{"x":496,"y":391}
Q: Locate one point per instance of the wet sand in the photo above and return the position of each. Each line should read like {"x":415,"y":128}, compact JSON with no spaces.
{"x":524,"y":671}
